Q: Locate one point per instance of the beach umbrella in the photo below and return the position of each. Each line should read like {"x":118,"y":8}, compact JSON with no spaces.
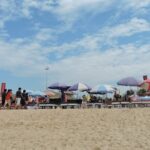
{"x":60,"y":86}
{"x":79,"y":87}
{"x":102,"y":89}
{"x":129,"y":81}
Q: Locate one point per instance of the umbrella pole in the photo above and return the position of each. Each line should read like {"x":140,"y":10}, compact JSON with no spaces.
{"x":62,"y":96}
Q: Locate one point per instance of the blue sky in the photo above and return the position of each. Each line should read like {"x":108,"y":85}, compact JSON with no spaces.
{"x":91,"y":41}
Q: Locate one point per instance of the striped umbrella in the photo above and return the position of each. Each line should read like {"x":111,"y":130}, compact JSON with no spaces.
{"x":79,"y":87}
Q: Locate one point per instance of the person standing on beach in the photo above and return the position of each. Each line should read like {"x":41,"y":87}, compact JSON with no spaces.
{"x":27,"y":98}
{"x":8,"y":98}
{"x":4,"y":97}
{"x":18,"y":98}
{"x":23,"y":99}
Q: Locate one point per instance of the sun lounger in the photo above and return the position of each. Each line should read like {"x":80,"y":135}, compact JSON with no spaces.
{"x":116,"y":105}
{"x":69,"y":105}
{"x":94,"y":105}
{"x":141,"y":104}
{"x":50,"y":106}
{"x":32,"y":107}
{"x":125,"y":104}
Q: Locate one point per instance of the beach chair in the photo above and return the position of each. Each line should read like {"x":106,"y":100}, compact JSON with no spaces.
{"x":116,"y":105}
{"x":69,"y":106}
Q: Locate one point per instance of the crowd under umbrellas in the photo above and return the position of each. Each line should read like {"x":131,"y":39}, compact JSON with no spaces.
{"x":24,"y":98}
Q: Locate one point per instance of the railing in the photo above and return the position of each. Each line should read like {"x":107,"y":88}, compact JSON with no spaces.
{"x":97,"y":105}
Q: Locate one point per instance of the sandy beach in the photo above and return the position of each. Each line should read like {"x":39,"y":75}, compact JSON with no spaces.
{"x":80,"y":129}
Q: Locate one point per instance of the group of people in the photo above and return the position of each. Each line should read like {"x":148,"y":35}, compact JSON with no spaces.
{"x":19,"y":100}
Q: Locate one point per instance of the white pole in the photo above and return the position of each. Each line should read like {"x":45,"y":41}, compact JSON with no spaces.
{"x":46,"y":77}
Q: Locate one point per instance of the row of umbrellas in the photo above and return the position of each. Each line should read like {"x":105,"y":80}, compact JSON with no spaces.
{"x":83,"y":87}
{"x":129,"y":81}
{"x":99,"y":89}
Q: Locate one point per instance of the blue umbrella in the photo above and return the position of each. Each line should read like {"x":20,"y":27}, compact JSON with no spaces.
{"x":129,"y":81}
{"x":102,"y":89}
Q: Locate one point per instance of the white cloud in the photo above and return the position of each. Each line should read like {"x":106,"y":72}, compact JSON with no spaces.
{"x":7,"y":9}
{"x":105,"y":36}
{"x":44,"y":5}
{"x":137,"y":4}
{"x":45,"y":34}
{"x":104,"y":67}
{"x":28,"y":57}
{"x":22,"y":59}
{"x":70,"y":10}
{"x":135,"y":25}
{"x":92,"y":67}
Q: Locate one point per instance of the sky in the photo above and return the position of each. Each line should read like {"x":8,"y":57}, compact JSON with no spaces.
{"x":89,"y":41}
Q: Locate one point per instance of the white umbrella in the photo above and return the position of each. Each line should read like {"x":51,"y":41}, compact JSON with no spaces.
{"x":79,"y":87}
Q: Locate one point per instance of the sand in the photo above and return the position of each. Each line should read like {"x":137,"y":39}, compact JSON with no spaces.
{"x":80,"y":129}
